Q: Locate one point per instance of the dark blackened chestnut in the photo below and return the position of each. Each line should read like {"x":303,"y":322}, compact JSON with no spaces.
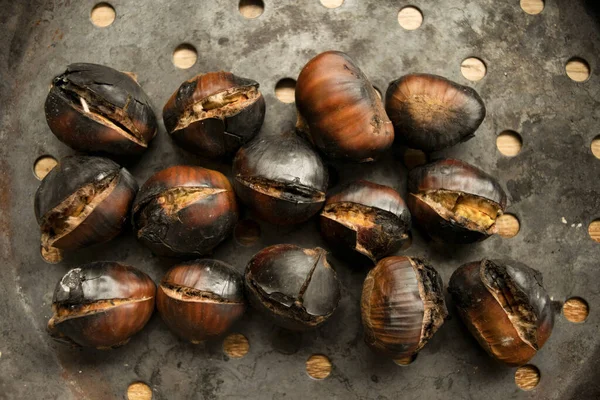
{"x":214,"y":114}
{"x":184,"y":211}
{"x":81,"y":202}
{"x":201,"y":299}
{"x":505,"y":306}
{"x":368,"y":218}
{"x":402,"y":306}
{"x":340,"y":111}
{"x":454,"y":201}
{"x":101,"y":305}
{"x":94,"y":108}
{"x":296,"y":288}
{"x":431,"y":113}
{"x":280,"y":178}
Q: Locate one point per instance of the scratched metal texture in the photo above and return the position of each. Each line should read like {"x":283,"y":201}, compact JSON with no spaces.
{"x":555,"y":177}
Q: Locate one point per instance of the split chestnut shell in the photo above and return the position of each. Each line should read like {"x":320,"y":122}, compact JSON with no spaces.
{"x":184,"y":211}
{"x":94,"y":108}
{"x":339,"y":109}
{"x":101,"y":305}
{"x":454,"y":201}
{"x":296,"y":288}
{"x":505,"y":307}
{"x":430,"y":112}
{"x":81,"y":202}
{"x":201,"y":299}
{"x":367,"y":218}
{"x":402,"y":306}
{"x":214,"y":114}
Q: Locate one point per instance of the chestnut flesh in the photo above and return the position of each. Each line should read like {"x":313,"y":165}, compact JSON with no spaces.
{"x":430,"y":112}
{"x":455,"y":202}
{"x":94,"y":108}
{"x":340,"y":111}
{"x":280,"y":178}
{"x":184,"y":211}
{"x":294,"y":287}
{"x":201,"y":299}
{"x":368,"y":218}
{"x":101,"y":305}
{"x":402,"y":306}
{"x":505,"y":307}
{"x":81,"y":202}
{"x":214,"y":114}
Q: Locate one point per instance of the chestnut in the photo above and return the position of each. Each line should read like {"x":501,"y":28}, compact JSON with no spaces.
{"x":214,"y":114}
{"x":368,"y":218}
{"x":430,"y":112}
{"x":280,"y":178}
{"x":81,"y":202}
{"x":294,"y":287}
{"x":101,"y":305}
{"x":454,"y":201}
{"x":505,"y":306}
{"x":340,"y":111}
{"x":201,"y":299}
{"x":184,"y":211}
{"x":94,"y":108}
{"x":402,"y":306}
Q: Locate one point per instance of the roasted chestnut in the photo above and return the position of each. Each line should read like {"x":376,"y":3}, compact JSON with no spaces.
{"x":201,"y":299}
{"x":81,"y":202}
{"x":280,"y":178}
{"x":340,"y":111}
{"x":430,"y":112}
{"x":368,"y":218}
{"x":184,"y":211}
{"x":454,"y":201}
{"x":296,"y":288}
{"x":402,"y":306}
{"x":505,"y":306}
{"x":214,"y":114}
{"x":101,"y":305}
{"x":95,"y":108}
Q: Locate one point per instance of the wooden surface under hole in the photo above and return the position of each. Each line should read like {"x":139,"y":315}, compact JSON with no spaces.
{"x":532,"y":6}
{"x":251,"y":8}
{"x":332,"y":3}
{"x":139,"y":391}
{"x":43,"y":165}
{"x":508,"y":226}
{"x":236,"y":345}
{"x":285,"y":90}
{"x":318,"y":366}
{"x":594,"y":230}
{"x":527,"y":377}
{"x":410,"y":18}
{"x":576,"y":309}
{"x":578,"y":69}
{"x":185,"y":56}
{"x":473,"y":69}
{"x":596,"y":147}
{"x":509,"y":143}
{"x":103,"y":15}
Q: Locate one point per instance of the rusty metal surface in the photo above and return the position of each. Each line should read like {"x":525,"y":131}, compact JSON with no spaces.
{"x":554,"y":177}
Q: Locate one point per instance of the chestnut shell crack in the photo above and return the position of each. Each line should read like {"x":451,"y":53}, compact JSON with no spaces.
{"x":288,"y":191}
{"x":186,"y":293}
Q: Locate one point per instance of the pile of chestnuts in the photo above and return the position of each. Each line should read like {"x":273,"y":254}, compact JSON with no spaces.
{"x":186,"y":211}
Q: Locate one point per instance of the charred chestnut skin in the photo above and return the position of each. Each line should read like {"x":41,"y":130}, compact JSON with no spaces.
{"x":201,"y":299}
{"x":505,"y":307}
{"x":232,"y":113}
{"x":456,"y":176}
{"x":430,"y":112}
{"x":120,"y":120}
{"x":68,"y":184}
{"x":101,"y":305}
{"x":296,"y":288}
{"x":367,"y":218}
{"x":184,"y":211}
{"x":402,"y":306}
{"x":339,"y":109}
{"x":280,"y":178}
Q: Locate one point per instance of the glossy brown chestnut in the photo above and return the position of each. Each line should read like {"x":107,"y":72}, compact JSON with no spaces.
{"x":81,"y":202}
{"x":184,"y":211}
{"x":430,"y":112}
{"x":201,"y":299}
{"x":454,"y":201}
{"x":214,"y":114}
{"x":402,"y":306}
{"x":294,"y":287}
{"x":505,"y":306}
{"x":340,"y":111}
{"x":368,"y":218}
{"x":94,"y":108}
{"x":101,"y":305}
{"x":280,"y":178}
